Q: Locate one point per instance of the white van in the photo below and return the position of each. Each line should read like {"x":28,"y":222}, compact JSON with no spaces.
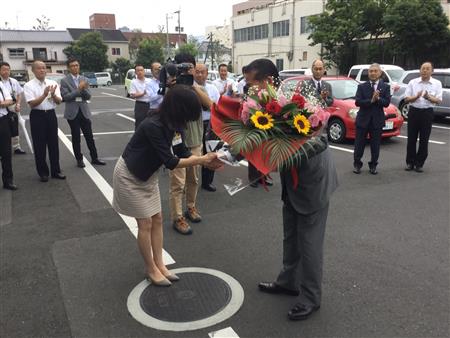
{"x":391,"y":74}
{"x":103,"y":79}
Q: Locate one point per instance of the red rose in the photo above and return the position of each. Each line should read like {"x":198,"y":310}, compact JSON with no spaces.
{"x":273,"y":107}
{"x":299,"y":101}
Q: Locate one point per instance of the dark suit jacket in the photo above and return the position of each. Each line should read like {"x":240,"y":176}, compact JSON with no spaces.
{"x":70,"y":93}
{"x":317,"y":180}
{"x":371,"y":113}
{"x":310,"y":87}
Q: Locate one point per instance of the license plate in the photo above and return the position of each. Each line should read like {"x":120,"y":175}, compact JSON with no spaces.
{"x":389,"y":125}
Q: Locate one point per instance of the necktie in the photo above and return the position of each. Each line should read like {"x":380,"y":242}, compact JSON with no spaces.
{"x":373,"y":86}
{"x":319,"y":87}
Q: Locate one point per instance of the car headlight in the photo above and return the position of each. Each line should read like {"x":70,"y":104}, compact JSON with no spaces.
{"x":353,"y":112}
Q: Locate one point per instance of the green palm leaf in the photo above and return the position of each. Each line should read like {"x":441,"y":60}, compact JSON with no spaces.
{"x":241,"y":137}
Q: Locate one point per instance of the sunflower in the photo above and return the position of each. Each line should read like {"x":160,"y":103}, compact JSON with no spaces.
{"x":262,"y":120}
{"x":302,"y":124}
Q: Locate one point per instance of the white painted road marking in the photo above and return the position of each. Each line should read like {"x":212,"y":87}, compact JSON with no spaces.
{"x":341,"y":149}
{"x":225,"y":333}
{"x":108,"y":133}
{"x":120,"y":97}
{"x":107,"y":191}
{"x":126,"y":117}
{"x":431,"y":141}
{"x":434,"y":126}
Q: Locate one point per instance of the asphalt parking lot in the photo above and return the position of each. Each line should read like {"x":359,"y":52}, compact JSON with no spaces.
{"x":68,"y":262}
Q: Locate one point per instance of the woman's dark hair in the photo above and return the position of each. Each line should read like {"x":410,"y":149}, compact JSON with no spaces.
{"x":264,"y":68}
{"x":179,"y":106}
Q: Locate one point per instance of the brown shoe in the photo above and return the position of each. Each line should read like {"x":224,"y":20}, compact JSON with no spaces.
{"x":182,"y":226}
{"x":193,"y":215}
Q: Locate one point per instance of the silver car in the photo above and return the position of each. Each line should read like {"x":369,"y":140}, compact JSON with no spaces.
{"x":443,"y":75}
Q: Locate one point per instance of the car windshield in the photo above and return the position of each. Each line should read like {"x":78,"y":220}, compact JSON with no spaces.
{"x":89,"y":75}
{"x":395,"y":74}
{"x":343,"y":89}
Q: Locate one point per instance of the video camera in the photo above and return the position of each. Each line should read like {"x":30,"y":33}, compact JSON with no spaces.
{"x":178,"y":71}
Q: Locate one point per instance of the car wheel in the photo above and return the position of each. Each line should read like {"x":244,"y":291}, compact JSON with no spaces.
{"x":109,"y":83}
{"x":404,"y":107}
{"x":336,"y":131}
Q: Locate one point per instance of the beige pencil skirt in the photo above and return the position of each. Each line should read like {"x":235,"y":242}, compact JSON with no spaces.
{"x":133,"y":197}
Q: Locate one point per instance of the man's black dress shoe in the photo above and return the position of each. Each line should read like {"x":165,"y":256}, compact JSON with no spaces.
{"x":98,"y":162}
{"x":275,"y":288}
{"x":10,"y":186}
{"x":59,"y":176}
{"x":80,"y":164}
{"x":44,"y":179}
{"x":301,"y":311}
{"x":409,"y":167}
{"x":419,"y":169}
{"x":19,"y":152}
{"x":357,"y":170}
{"x":373,"y":171}
{"x":209,"y":187}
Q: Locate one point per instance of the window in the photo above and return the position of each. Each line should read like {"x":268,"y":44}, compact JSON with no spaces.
{"x":40,"y":54}
{"x":251,"y":33}
{"x":115,"y":51}
{"x":364,"y":75}
{"x":410,"y":76}
{"x":304,"y":25}
{"x":281,"y":28}
{"x":353,"y":73}
{"x":305,"y":56}
{"x":444,"y":78}
{"x":16,"y":52}
{"x":280,"y":64}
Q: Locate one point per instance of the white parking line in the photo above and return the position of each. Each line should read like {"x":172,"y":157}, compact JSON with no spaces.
{"x":431,"y":141}
{"x":126,"y":117}
{"x":108,"y":133}
{"x":120,"y":97}
{"x":224,"y":333}
{"x":341,"y":149}
{"x":434,"y":126}
{"x":107,"y":191}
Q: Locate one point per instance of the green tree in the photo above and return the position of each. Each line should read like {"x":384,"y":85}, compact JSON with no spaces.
{"x":150,"y":51}
{"x":90,"y":50}
{"x":121,"y":66}
{"x":419,"y":31}
{"x":188,"y":48}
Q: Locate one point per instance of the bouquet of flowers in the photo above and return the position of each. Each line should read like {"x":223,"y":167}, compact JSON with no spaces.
{"x":270,"y":130}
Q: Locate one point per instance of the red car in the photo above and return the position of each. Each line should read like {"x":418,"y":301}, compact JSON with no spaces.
{"x":343,"y":111}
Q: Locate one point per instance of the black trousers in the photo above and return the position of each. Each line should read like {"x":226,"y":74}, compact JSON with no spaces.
{"x":14,"y":125}
{"x":5,"y":149}
{"x":140,"y":112}
{"x":360,"y":144}
{"x":419,"y":125}
{"x":44,"y":132}
{"x":207,"y":174}
{"x":82,"y":123}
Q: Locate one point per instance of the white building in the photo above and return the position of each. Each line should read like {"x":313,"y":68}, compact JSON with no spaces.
{"x":274,"y":29}
{"x":221,"y":34}
{"x":21,"y":47}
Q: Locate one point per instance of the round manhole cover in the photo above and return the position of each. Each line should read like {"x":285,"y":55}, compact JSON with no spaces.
{"x":202,"y":298}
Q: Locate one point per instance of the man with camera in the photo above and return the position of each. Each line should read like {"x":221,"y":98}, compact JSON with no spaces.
{"x":15,"y":90}
{"x":184,"y":181}
{"x":5,"y":139}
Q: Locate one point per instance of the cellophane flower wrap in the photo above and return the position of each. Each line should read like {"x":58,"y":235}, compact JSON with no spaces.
{"x":272,"y":131}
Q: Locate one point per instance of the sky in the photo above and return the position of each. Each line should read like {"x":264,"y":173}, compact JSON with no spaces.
{"x":195,"y":15}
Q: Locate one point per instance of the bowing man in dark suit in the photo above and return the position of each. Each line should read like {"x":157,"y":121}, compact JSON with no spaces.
{"x":372,"y":96}
{"x":75,"y":93}
{"x":305,"y":212}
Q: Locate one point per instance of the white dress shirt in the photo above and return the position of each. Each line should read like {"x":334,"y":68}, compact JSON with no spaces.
{"x":152,"y":90}
{"x":4,"y":95}
{"x":432,"y":86}
{"x":35,"y":88}
{"x":213,"y":95}
{"x":221,"y":84}
{"x":240,"y":86}
{"x":139,"y":86}
{"x":13,"y":86}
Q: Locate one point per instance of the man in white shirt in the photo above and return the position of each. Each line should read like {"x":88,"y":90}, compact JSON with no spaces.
{"x":153,"y":87}
{"x":5,"y":139}
{"x":15,"y":90}
{"x":241,"y":84}
{"x":422,"y":94}
{"x":42,"y":96}
{"x":140,"y":92}
{"x":224,"y":85}
{"x":200,"y":76}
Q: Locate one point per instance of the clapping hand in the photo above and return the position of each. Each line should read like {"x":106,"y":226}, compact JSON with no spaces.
{"x":324,"y":94}
{"x":419,"y":94}
{"x":376,"y":95}
{"x":52,"y":90}
{"x":83,"y":85}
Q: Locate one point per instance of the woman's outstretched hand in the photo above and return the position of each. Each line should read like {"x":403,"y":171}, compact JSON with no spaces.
{"x":211,"y":161}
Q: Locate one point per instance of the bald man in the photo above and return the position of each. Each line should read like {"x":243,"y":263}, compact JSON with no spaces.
{"x":42,"y":96}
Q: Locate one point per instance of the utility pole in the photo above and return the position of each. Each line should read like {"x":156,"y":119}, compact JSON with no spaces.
{"x":179,"y":28}
{"x":167,"y":37}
